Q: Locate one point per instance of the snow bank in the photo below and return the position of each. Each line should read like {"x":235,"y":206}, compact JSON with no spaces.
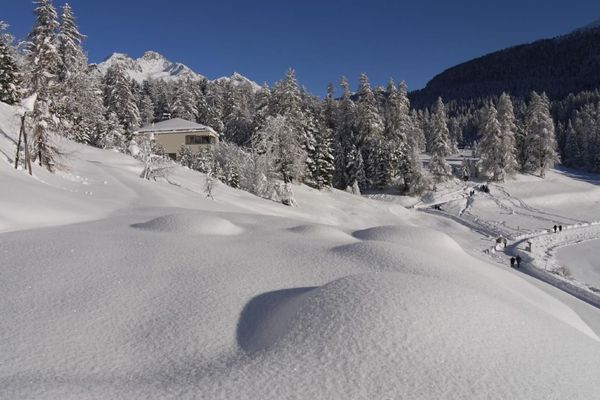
{"x":323,"y":231}
{"x":195,"y":224}
{"x":378,"y":336}
{"x":418,"y":238}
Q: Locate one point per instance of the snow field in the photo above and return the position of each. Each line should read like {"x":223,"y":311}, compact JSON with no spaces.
{"x":339,"y":298}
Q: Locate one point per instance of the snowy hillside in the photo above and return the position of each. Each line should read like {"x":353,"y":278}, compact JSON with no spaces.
{"x":152,"y":65}
{"x":116,"y":287}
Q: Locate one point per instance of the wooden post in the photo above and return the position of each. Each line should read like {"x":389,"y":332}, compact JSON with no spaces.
{"x":27,"y":154}
{"x":19,"y":142}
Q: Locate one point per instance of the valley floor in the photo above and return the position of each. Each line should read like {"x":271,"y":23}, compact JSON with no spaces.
{"x":115,"y":287}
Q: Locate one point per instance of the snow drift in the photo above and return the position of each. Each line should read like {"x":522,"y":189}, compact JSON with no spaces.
{"x":191,"y":224}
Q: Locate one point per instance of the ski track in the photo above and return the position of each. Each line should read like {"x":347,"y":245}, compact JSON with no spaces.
{"x":541,"y":262}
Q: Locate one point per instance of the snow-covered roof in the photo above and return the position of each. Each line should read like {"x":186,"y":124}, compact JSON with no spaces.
{"x":175,"y":125}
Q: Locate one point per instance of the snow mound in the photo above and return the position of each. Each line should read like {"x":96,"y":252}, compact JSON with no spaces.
{"x":404,"y":330}
{"x":197,"y":224}
{"x":322,"y":232}
{"x":415,"y":237}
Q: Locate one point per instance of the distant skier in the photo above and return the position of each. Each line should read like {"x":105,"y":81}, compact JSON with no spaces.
{"x":512,"y":262}
{"x":560,"y":228}
{"x":518,"y":259}
{"x":555,"y":228}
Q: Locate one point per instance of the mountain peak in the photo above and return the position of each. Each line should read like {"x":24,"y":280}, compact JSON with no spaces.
{"x":152,"y":55}
{"x":116,"y":57}
{"x":151,"y":65}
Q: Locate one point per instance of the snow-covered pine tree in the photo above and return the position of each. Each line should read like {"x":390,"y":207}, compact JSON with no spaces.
{"x":281,"y":146}
{"x":10,"y":76}
{"x":43,"y":59}
{"x":72,"y":58}
{"x":398,"y":127}
{"x":355,"y":169}
{"x":508,"y":144}
{"x":321,"y":152}
{"x":286,"y":100}
{"x":330,"y":108}
{"x":346,"y":173}
{"x":43,"y":63}
{"x":573,"y":149}
{"x":541,"y":147}
{"x":236,"y":115}
{"x":490,"y":146}
{"x":120,"y":99}
{"x":369,"y":127}
{"x":146,"y":107}
{"x":584,"y":146}
{"x":44,"y":147}
{"x":79,"y":105}
{"x":114,"y":134}
{"x":184,"y":104}
{"x":262,"y":104}
{"x":440,"y":147}
{"x":186,"y":156}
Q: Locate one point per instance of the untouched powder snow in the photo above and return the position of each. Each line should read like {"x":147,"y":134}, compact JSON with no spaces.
{"x":114,"y":287}
{"x":191,"y":224}
{"x":582,"y":261}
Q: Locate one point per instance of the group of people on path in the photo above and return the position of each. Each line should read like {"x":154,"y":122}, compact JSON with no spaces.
{"x":557,"y":228}
{"x":515,"y":260}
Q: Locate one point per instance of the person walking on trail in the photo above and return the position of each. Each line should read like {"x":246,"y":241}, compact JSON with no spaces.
{"x":555,"y":228}
{"x":512,"y":262}
{"x":518,"y":259}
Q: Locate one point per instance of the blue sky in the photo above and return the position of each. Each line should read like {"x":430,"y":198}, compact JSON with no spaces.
{"x":322,"y":40}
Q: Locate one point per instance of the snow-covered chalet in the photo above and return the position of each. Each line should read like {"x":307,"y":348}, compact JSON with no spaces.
{"x":173,"y":133}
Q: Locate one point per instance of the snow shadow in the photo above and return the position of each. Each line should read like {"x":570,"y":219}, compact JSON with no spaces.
{"x":262,"y":319}
{"x":589,"y":177}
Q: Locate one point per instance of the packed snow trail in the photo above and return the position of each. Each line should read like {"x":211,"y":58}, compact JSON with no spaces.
{"x":544,"y":264}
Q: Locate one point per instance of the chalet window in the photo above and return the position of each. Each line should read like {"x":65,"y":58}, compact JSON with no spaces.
{"x":193,"y":139}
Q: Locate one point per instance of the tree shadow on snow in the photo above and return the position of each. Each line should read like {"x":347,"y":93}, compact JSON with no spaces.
{"x":589,"y":177}
{"x":258,"y":325}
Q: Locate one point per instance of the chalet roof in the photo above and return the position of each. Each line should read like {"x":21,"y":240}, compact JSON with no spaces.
{"x":175,"y":125}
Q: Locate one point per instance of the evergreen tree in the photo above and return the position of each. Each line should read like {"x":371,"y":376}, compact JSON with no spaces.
{"x":286,"y":101}
{"x":573,"y":149}
{"x":184,"y":104}
{"x":78,"y":103}
{"x":541,"y":147}
{"x":72,"y":58}
{"x":119,"y":98}
{"x":508,"y":145}
{"x":282,"y":148}
{"x":321,"y":152}
{"x":146,"y":108}
{"x":490,"y":146}
{"x":236,"y":116}
{"x":45,"y":149}
{"x":346,"y":172}
{"x":114,"y":135}
{"x":398,"y":127}
{"x":440,"y":147}
{"x":369,"y":127}
{"x":10,"y":77}
{"x":43,"y":59}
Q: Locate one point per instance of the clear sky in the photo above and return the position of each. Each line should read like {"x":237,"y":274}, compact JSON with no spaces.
{"x":322,"y":40}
